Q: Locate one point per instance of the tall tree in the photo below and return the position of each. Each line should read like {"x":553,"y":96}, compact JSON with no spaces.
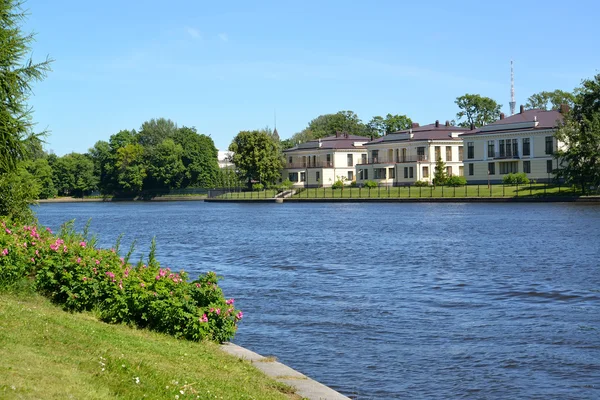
{"x":580,"y":156}
{"x":73,"y":175}
{"x":395,"y":123}
{"x":130,"y":169}
{"x":200,"y":158}
{"x":377,"y":126}
{"x":477,"y":110}
{"x":555,"y":99}
{"x":164,"y":165}
{"x":440,"y":176}
{"x":342,"y":121}
{"x":257,"y":157}
{"x":155,"y":131}
{"x":17,"y":73}
{"x":103,"y":166}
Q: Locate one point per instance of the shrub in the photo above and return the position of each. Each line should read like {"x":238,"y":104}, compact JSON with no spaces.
{"x":370,"y":184}
{"x":353,"y":184}
{"x":455,"y":180}
{"x":421,"y":183}
{"x":287,"y":184}
{"x":515,"y":179}
{"x":70,"y":271}
{"x":338,"y":184}
{"x":257,"y":187}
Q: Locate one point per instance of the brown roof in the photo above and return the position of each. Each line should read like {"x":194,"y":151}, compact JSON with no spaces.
{"x":435,"y":131}
{"x":545,"y":120}
{"x":335,"y":142}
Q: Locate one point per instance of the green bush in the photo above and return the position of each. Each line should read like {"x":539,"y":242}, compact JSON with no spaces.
{"x":257,"y":187}
{"x":338,"y":184}
{"x":353,"y":184}
{"x":515,"y":179}
{"x":69,"y":270}
{"x":370,"y":184}
{"x":455,"y":180}
{"x":421,"y":183}
{"x":287,"y":184}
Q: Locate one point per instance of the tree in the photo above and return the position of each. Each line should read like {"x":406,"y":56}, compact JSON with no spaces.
{"x":155,"y":131}
{"x":103,"y":165}
{"x":556,"y":99}
{"x":440,"y":175}
{"x":17,"y":73}
{"x":477,"y":110}
{"x":165,"y":168}
{"x":395,"y":123}
{"x":130,"y":169}
{"x":376,"y":126}
{"x":200,"y":158}
{"x":257,"y":157}
{"x":342,"y":121}
{"x":580,"y":156}
{"x":42,"y":172}
{"x":73,"y":175}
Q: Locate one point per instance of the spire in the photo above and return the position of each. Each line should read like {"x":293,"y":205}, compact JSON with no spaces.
{"x":275,"y":133}
{"x":512,"y":103}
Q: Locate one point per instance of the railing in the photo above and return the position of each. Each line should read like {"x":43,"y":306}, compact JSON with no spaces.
{"x":504,"y":155}
{"x":319,"y":164}
{"x":394,"y":160}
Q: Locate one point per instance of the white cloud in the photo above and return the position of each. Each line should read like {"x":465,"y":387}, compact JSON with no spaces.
{"x":223,"y":37}
{"x":194,"y":33}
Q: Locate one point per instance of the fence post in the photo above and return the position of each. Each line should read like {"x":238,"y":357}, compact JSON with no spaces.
{"x":517,"y":189}
{"x":530,"y":190}
{"x":369,"y":191}
{"x":409,"y":191}
{"x":360,"y":191}
{"x":430,"y":191}
{"x":503,"y":190}
{"x":466,"y":193}
{"x":420,"y":191}
{"x":478,"y":191}
{"x":442,"y":190}
{"x":545,"y":186}
{"x":378,"y":190}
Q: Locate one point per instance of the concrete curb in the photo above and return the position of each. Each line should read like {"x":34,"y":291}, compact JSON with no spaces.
{"x":304,"y":386}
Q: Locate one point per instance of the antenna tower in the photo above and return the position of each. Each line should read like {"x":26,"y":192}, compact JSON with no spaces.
{"x":512,"y":89}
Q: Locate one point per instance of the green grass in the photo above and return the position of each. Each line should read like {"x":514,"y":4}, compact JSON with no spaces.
{"x":264,"y":194}
{"x":47,"y":353}
{"x":535,"y":190}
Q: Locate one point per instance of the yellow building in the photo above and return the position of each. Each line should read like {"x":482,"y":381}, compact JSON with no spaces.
{"x":404,"y":157}
{"x":523,"y":142}
{"x":324,"y":161}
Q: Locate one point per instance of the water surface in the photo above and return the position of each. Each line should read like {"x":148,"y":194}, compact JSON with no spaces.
{"x":389,"y":301}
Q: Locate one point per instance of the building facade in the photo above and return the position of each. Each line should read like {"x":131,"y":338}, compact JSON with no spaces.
{"x":523,"y":142}
{"x":324,"y":161}
{"x":404,"y":157}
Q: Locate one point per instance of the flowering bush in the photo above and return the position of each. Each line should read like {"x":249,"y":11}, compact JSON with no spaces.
{"x":72,"y":272}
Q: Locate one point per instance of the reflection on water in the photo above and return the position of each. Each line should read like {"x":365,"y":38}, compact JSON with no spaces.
{"x":386,"y":301}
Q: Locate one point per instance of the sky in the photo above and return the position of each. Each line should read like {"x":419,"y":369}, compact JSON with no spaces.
{"x":224,"y":67}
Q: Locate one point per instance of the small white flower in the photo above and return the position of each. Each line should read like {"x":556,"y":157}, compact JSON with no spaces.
{"x":182,"y":392}
{"x":176,"y":396}
{"x":13,"y":388}
{"x":102,"y":369}
{"x":137,"y":380}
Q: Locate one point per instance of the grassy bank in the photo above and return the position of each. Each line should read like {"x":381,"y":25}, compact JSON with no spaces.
{"x":51,"y":354}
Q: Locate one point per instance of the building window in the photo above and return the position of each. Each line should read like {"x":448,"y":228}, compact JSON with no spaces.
{"x":509,"y":167}
{"x":425,"y":172}
{"x":350,"y":175}
{"x":508,"y":148}
{"x":328,"y":160}
{"x":470,"y":150}
{"x":290,"y":160}
{"x":549,"y":145}
{"x":448,"y":153}
{"x":350,"y":160}
{"x":375,"y":156}
{"x":460,"y":153}
{"x":392,"y":173}
{"x":379,"y":173}
{"x":366,"y":176}
{"x":471,"y":171}
{"x":293,"y":176}
{"x":491,"y":150}
{"x":363,"y":158}
{"x":302,"y":176}
{"x":492,"y":168}
{"x":421,"y":154}
{"x":461,"y":171}
{"x":449,"y":171}
{"x":527,"y":167}
{"x":438,"y":152}
{"x":405,"y":172}
{"x":526,"y":147}
{"x":515,"y":147}
{"x":501,"y":148}
{"x":549,"y":166}
{"x":410,"y":172}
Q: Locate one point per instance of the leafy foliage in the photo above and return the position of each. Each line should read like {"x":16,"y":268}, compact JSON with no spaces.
{"x":257,"y":157}
{"x":477,"y":110}
{"x":73,"y":174}
{"x":515,"y":179}
{"x":456,"y":180}
{"x":440,"y":175}
{"x":72,"y":272}
{"x":421,"y":183}
{"x":370,"y":184}
{"x":556,"y":99}
{"x":379,"y":126}
{"x":580,"y":157}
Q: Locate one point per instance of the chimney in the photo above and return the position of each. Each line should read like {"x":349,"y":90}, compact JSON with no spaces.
{"x":437,"y":123}
{"x":564,"y":109}
{"x":415,"y":124}
{"x":447,"y":123}
{"x":346,"y":135}
{"x":521,"y":109}
{"x":472,"y":126}
{"x":337,"y":134}
{"x":372,"y":138}
{"x":501,"y":115}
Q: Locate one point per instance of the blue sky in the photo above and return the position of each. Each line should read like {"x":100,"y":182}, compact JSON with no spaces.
{"x":226,"y":66}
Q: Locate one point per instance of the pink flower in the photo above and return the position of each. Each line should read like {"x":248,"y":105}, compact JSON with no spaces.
{"x":32,"y":259}
{"x":37,"y":253}
{"x":8,"y":231}
{"x":203,"y":318}
{"x":230,"y":301}
{"x":162,"y":272}
{"x":48,"y":230}
{"x":65,"y":249}
{"x":218,"y":310}
{"x":95,"y":270}
{"x":211,"y":310}
{"x":197,"y":285}
{"x":78,"y":260}
{"x":122,"y":260}
{"x":84,"y":279}
{"x":239,"y":315}
{"x":126,"y":272}
{"x":5,"y":252}
{"x":25,"y":244}
{"x":97,"y":262}
{"x":142,"y":284}
{"x":157,"y":277}
{"x":82,"y":244}
{"x":121,"y":285}
{"x":110,"y":275}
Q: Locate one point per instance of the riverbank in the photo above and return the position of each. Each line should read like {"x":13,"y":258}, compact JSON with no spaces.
{"x":548,"y":199}
{"x":51,"y":354}
{"x":113,"y":199}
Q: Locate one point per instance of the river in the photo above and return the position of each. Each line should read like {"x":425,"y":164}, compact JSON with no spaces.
{"x":390,"y":301}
